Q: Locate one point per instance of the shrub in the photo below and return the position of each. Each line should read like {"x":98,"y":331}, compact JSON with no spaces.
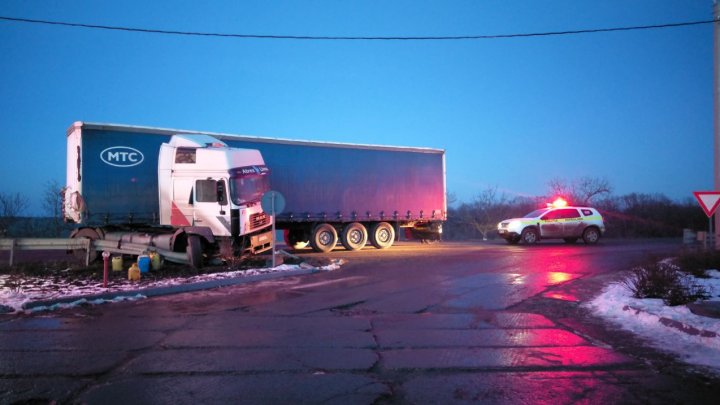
{"x":696,"y":263}
{"x":664,"y":281}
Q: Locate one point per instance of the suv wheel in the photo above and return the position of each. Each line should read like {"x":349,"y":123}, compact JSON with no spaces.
{"x":591,"y":236}
{"x":529,"y":236}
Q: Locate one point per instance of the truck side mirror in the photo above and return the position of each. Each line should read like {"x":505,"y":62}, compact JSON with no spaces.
{"x":222,"y":197}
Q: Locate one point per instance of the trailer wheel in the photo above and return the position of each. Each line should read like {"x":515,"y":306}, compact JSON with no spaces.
{"x":354,"y":236}
{"x":324,"y":238}
{"x":194,"y":251}
{"x":382,"y":235}
{"x":86,"y":233}
{"x":296,"y":238}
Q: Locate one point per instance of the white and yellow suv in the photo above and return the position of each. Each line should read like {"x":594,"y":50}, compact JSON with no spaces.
{"x":558,"y":221}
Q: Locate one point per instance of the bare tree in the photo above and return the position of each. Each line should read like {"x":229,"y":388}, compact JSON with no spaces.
{"x":52,"y":206}
{"x":580,"y":191}
{"x":451,"y":198}
{"x":11,"y":206}
{"x":488,"y":208}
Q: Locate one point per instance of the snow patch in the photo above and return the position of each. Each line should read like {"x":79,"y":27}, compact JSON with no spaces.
{"x":695,"y":339}
{"x":19,"y":290}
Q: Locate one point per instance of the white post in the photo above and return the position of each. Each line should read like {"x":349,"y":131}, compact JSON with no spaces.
{"x":12,"y":252}
{"x":716,"y":109}
{"x":273,"y":228}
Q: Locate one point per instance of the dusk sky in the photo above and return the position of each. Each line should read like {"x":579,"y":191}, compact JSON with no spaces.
{"x":634,"y":107}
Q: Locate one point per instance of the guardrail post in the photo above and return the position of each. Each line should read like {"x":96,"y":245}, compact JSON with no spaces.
{"x":106,"y":257}
{"x":12,"y":251}
{"x":88,"y":245}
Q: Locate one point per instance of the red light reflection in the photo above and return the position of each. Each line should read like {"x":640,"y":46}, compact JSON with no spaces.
{"x":557,"y":277}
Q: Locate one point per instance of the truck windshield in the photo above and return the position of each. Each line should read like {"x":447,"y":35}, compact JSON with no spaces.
{"x":248,"y":185}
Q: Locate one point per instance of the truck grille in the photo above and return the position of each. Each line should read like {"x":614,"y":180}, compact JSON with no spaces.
{"x":259,"y":220}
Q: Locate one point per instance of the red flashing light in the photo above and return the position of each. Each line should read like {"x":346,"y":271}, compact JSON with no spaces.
{"x":559,"y":203}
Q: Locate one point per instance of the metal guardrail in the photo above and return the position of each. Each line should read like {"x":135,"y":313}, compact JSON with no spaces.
{"x":14,"y":245}
{"x":137,"y":249}
{"x":88,"y":246}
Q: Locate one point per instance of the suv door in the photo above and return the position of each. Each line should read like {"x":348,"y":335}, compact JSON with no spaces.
{"x":572,"y":222}
{"x":551,"y":225}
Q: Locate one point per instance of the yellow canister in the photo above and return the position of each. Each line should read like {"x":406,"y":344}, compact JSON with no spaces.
{"x":155,"y":260}
{"x":134,"y":272}
{"x":117,"y":263}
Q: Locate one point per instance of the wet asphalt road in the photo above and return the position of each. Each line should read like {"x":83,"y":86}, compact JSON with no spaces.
{"x":445,"y":323}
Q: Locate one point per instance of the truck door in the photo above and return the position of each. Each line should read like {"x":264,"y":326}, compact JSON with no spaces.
{"x":210,"y":206}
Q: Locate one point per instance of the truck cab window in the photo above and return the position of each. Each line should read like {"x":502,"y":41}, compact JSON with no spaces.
{"x":206,"y":191}
{"x":185,"y":155}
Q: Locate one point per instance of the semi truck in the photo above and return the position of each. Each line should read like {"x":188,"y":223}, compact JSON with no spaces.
{"x":199,"y":192}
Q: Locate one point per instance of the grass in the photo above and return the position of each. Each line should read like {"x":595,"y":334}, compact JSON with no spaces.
{"x":69,"y":269}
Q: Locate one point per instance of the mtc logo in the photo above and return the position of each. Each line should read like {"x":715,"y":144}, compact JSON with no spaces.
{"x":122,"y":156}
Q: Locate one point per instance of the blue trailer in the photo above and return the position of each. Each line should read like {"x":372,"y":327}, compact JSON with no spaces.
{"x":335,"y":192}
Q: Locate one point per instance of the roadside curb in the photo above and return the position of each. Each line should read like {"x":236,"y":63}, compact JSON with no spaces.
{"x":168,"y":290}
{"x":671,"y":323}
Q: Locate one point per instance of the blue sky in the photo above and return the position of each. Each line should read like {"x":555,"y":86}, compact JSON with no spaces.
{"x":633,"y":107}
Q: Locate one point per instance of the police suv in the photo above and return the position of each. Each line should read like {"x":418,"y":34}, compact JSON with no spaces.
{"x":558,"y":221}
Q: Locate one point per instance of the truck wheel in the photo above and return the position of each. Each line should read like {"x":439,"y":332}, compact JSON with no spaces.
{"x":324,"y":238}
{"x":382,"y":235}
{"x":529,"y":236}
{"x":86,"y":233}
{"x":354,"y":236}
{"x":296,"y":239}
{"x":591,"y":235}
{"x":194,"y":251}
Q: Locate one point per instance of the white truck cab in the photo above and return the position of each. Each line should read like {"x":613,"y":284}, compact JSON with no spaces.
{"x":203,"y":182}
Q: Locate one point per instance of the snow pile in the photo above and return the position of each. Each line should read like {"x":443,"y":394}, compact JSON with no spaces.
{"x":696,"y":339}
{"x":84,"y":301}
{"x":17,"y":290}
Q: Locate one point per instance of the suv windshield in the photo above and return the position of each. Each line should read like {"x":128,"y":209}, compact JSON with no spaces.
{"x":249,"y":184}
{"x":536,"y":213}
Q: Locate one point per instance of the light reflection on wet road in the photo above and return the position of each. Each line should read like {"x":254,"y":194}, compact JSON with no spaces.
{"x":414,"y":324}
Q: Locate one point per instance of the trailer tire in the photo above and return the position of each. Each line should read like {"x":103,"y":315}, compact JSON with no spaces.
{"x":86,"y":233}
{"x":324,"y":238}
{"x":194,"y":251}
{"x":354,"y":236}
{"x":382,"y":235}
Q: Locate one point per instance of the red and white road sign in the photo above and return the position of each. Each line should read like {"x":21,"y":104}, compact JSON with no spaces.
{"x":709,"y":201}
